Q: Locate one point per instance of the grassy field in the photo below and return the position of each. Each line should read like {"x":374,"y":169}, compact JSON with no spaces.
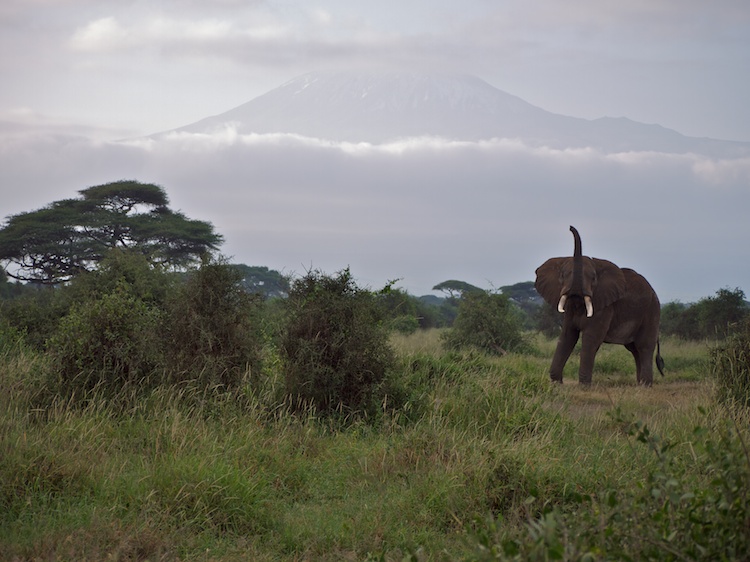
{"x":485,"y":447}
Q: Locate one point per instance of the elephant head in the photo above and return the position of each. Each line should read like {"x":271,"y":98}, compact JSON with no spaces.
{"x":598,"y":283}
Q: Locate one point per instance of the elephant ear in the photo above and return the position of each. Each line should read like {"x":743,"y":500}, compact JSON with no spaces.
{"x":610,"y":286}
{"x":548,"y":279}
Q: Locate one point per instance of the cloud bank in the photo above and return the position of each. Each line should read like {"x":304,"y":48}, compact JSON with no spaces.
{"x":422,"y":210}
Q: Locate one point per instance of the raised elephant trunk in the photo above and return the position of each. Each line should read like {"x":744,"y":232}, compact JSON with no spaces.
{"x":576,"y":285}
{"x":577,"y":252}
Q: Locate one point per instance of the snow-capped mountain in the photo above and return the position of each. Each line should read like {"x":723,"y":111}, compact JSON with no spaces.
{"x":382,"y":106}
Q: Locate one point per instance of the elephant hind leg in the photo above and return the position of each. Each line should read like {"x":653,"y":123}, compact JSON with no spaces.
{"x":644,"y":359}
{"x":633,"y":349}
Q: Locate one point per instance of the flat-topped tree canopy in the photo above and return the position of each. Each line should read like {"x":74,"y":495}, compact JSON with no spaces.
{"x":53,"y":244}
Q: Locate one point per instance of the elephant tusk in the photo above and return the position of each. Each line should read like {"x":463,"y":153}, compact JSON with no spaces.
{"x":561,"y":304}
{"x":589,"y":306}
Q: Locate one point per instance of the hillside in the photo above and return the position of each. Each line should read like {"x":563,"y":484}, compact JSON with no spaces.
{"x":377,"y":107}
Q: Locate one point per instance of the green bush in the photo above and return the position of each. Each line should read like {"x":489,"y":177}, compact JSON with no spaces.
{"x":674,"y":514}
{"x":212,"y":327}
{"x":107,"y":344}
{"x":38,"y":310}
{"x":404,"y":324}
{"x":486,"y":321}
{"x":104,"y":328}
{"x":124,"y":270}
{"x":11,"y":338}
{"x":134,"y":326}
{"x":334,"y":345}
{"x":730,"y":365}
{"x":36,"y":313}
{"x":408,"y":313}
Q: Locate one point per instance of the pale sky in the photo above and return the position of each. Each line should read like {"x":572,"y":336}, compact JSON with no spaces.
{"x":77,"y":75}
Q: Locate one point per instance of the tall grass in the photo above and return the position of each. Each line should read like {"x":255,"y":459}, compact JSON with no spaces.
{"x":482,"y":448}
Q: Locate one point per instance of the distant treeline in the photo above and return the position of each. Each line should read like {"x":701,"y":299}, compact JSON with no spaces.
{"x":711,"y":317}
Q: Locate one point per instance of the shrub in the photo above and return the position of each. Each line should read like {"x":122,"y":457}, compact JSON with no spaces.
{"x":334,"y":345}
{"x":125,"y":270}
{"x":36,"y":313}
{"x":11,"y":338}
{"x":488,"y":322}
{"x":408,"y":313}
{"x":106,"y":344}
{"x":673,"y":515}
{"x":212,"y":327}
{"x":131,"y":327}
{"x":38,"y":310}
{"x":404,"y":324}
{"x":730,"y":365}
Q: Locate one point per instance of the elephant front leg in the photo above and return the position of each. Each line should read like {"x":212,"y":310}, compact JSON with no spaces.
{"x":592,"y":341}
{"x":565,"y":346}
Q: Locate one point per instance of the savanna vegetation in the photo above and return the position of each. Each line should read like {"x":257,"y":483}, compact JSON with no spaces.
{"x":192,"y":409}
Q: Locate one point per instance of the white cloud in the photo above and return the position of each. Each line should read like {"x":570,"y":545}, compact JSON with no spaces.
{"x":423,"y":209}
{"x":321,"y":16}
{"x":723,"y":172}
{"x":732,"y":174}
{"x":163,"y":29}
{"x":109,"y":34}
{"x":100,"y":35}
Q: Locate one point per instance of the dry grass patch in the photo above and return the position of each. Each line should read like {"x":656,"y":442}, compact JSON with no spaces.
{"x":680,"y":396}
{"x":419,"y":342}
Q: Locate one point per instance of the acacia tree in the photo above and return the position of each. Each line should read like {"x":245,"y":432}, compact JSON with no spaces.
{"x":53,"y":244}
{"x":455,"y":289}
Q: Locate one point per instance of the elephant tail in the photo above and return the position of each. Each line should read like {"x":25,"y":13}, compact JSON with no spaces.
{"x":659,"y":360}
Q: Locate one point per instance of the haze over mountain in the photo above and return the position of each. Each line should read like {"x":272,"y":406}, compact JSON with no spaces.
{"x":422,"y":178}
{"x":378,"y":107}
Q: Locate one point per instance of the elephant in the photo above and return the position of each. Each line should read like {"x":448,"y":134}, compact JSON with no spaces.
{"x":605,"y":304}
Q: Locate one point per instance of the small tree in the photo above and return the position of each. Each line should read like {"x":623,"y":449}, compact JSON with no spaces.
{"x":334,"y":346}
{"x":720,"y":313}
{"x":212,"y":332}
{"x":672,"y":315}
{"x":263,"y":281}
{"x":526,"y":298}
{"x":710,"y":317}
{"x":401,"y":309}
{"x":487,"y":321}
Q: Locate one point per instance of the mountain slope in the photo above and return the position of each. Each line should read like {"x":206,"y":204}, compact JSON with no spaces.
{"x":379,"y":107}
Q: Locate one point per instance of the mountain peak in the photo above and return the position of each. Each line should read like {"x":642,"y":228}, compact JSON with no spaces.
{"x":401,"y":91}
{"x":382,"y":106}
{"x":378,"y":106}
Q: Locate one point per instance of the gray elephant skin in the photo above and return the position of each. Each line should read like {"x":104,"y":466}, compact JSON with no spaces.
{"x":601,"y":303}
